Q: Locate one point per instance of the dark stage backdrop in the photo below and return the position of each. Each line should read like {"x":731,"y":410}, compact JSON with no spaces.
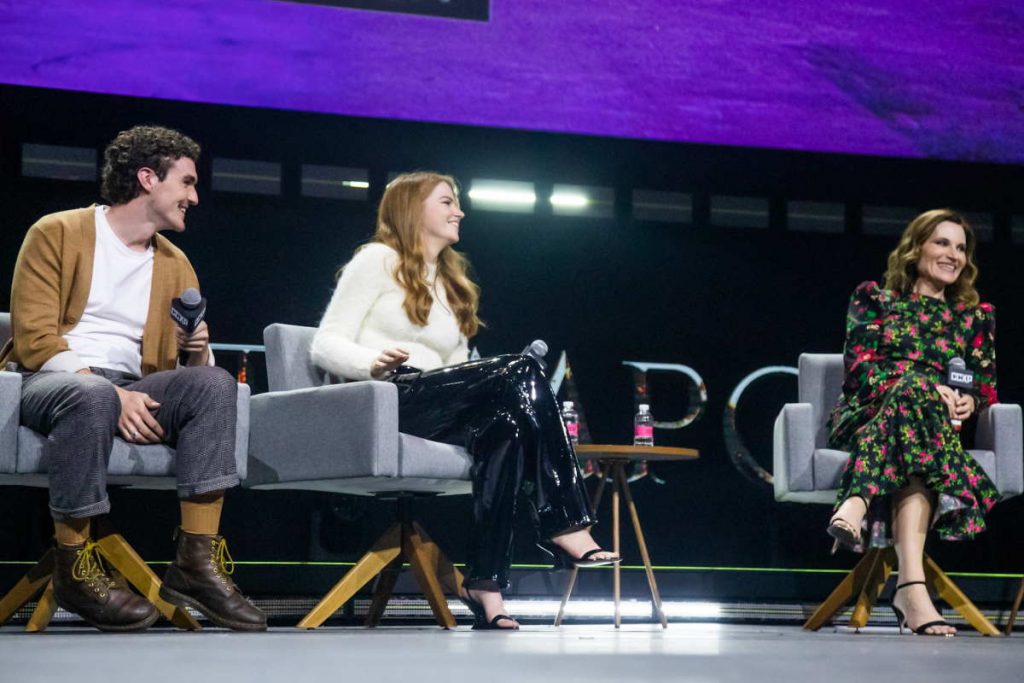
{"x":725,"y":301}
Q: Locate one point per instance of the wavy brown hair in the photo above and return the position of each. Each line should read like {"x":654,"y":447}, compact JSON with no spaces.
{"x":398,"y":226}
{"x":902,"y":267}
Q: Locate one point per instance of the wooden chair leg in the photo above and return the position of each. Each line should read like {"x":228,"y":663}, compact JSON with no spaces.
{"x":28,"y":587}
{"x":946,"y":589}
{"x":382,"y":592}
{"x":873,"y":586}
{"x":447,"y":573}
{"x":1013,"y":610}
{"x":134,"y":569}
{"x":43,"y":612}
{"x":383,"y":552}
{"x":851,"y":585}
{"x":423,"y":559}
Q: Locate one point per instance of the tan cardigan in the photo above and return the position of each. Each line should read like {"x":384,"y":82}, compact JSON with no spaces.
{"x":52,"y":278}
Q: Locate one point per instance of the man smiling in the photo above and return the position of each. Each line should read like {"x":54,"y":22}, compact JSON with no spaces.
{"x":99,"y":356}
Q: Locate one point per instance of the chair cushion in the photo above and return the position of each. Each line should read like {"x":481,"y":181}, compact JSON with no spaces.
{"x":431,"y":460}
{"x":125,"y":459}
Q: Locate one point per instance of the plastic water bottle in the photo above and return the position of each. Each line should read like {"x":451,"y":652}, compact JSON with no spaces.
{"x":643,"y":427}
{"x":572,"y":422}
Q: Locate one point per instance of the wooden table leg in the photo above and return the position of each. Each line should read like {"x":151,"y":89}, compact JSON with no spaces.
{"x":565,"y":596}
{"x":602,"y":476}
{"x":1014,"y":609}
{"x":616,"y":548}
{"x":635,"y":516}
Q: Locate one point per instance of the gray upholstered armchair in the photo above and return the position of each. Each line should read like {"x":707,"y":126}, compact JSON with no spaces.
{"x":807,"y":471}
{"x":310,"y":432}
{"x":134,"y":465}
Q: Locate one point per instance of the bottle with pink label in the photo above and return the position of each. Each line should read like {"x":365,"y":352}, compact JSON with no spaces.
{"x":572,"y":421}
{"x":643,"y":426}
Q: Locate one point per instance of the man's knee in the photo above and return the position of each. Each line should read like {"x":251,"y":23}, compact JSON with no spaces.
{"x":89,"y":395}
{"x":217,"y":384}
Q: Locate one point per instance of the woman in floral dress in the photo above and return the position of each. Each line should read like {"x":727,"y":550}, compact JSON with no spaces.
{"x":895,"y":413}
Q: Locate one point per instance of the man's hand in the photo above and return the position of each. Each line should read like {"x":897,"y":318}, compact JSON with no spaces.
{"x":196,"y":344}
{"x":388,"y":360}
{"x":136,"y":422}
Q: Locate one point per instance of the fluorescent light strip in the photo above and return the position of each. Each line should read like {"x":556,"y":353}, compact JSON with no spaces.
{"x":522,"y":197}
{"x":358,"y":184}
{"x":606,"y":608}
{"x":570,"y":201}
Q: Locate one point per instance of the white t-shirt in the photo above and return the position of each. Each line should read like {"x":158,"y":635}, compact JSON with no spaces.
{"x":366,"y":316}
{"x":109,"y":335}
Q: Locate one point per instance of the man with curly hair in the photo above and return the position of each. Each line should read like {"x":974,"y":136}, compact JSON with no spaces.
{"x":100,"y":357}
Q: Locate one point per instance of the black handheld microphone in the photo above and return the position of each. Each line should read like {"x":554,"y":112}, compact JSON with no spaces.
{"x":536,"y":350}
{"x":958,"y":378}
{"x":188,"y":311}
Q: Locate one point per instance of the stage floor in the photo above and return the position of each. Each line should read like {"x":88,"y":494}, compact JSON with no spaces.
{"x":685,"y":652}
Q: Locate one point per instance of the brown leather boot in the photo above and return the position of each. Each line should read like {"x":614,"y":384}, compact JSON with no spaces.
{"x":82,"y":585}
{"x":200,"y":578}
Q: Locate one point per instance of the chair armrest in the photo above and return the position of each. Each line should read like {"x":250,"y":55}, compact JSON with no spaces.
{"x":1001,"y":430}
{"x":793,"y":452}
{"x":10,"y":420}
{"x":331,"y":432}
{"x":242,"y":430}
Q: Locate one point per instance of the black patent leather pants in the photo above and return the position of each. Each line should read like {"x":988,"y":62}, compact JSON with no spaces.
{"x":502,"y":411}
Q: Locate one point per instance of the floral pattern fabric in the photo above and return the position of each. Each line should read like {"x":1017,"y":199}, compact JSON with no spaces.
{"x":890,"y":416}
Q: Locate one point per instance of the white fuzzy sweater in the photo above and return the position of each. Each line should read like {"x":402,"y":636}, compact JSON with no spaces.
{"x":365,"y":317}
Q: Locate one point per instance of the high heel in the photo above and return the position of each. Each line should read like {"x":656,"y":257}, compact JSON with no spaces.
{"x":480,"y":622}
{"x":921,"y":630}
{"x":845,"y":534}
{"x":563,"y":560}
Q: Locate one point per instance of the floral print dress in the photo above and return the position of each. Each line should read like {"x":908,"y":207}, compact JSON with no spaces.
{"x":891,"y":418}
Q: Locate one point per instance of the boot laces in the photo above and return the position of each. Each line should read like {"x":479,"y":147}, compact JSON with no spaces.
{"x":223,"y":563}
{"x":88,"y":567}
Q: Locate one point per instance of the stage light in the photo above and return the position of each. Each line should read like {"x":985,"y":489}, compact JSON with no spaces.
{"x":502,"y":195}
{"x":335,"y":182}
{"x":582,"y":201}
{"x":570,"y":201}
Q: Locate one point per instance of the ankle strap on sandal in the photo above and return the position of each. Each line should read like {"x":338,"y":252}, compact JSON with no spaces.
{"x":911,"y":583}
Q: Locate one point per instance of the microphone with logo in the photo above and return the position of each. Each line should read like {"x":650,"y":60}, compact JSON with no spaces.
{"x":958,"y":378}
{"x":188,"y":311}
{"x":536,"y":350}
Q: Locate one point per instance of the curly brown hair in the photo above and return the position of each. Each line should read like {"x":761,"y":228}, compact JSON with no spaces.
{"x":902,"y":266}
{"x":138,"y":147}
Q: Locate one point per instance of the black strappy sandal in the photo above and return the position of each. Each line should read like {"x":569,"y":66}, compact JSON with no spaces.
{"x":480,"y":622}
{"x":921,"y":630}
{"x":564,"y":560}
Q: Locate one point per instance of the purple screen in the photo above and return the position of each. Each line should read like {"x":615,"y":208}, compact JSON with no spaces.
{"x":936,"y":78}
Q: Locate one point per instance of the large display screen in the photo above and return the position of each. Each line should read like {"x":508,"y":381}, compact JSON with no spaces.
{"x":931,"y":78}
